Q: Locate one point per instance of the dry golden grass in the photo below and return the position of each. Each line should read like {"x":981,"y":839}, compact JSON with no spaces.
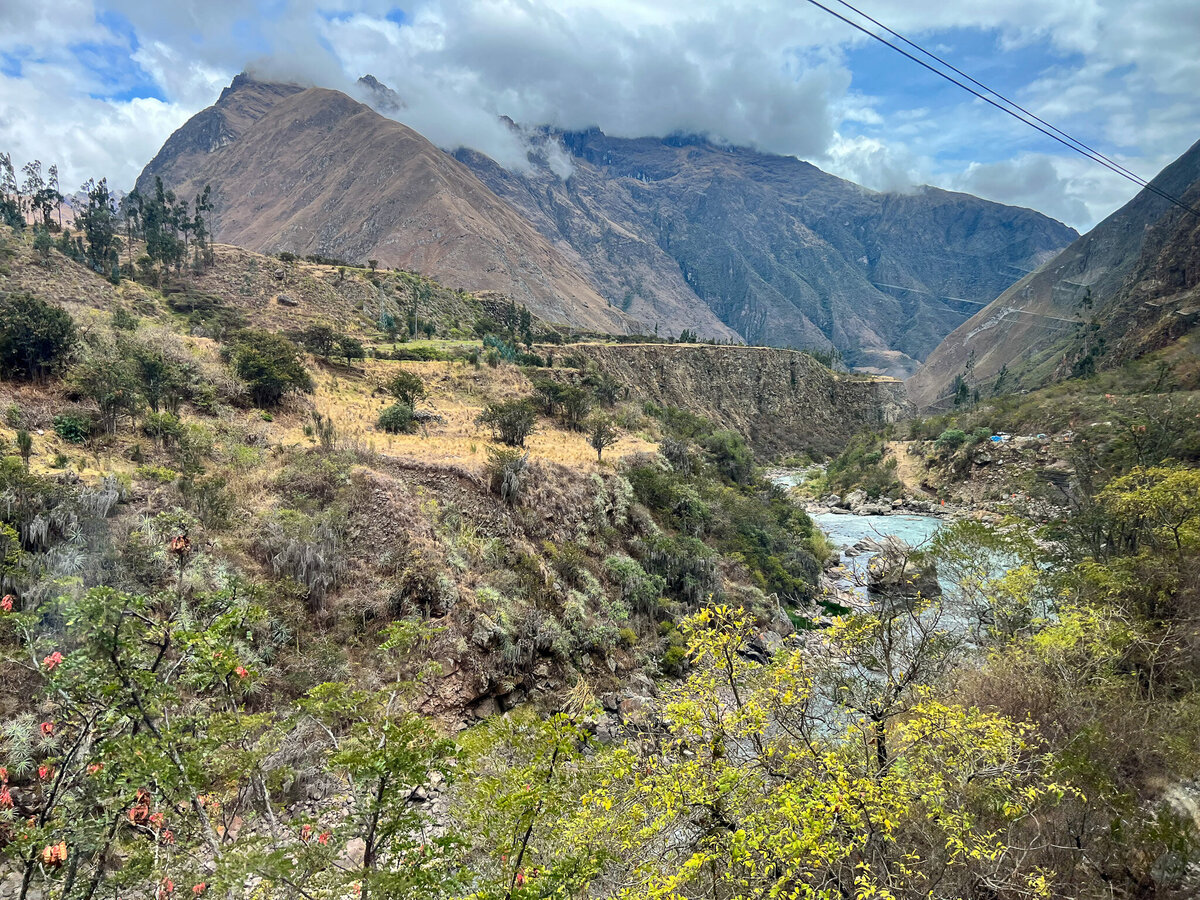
{"x":353,"y":398}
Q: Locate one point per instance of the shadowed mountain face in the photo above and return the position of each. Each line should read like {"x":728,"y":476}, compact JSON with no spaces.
{"x":682,"y":232}
{"x":313,"y":171}
{"x":1130,"y":285}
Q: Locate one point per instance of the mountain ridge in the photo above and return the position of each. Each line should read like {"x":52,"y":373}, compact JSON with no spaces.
{"x":1102,"y":298}
{"x":285,"y":178}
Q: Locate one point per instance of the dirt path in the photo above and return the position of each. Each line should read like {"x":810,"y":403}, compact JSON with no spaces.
{"x":909,"y":470}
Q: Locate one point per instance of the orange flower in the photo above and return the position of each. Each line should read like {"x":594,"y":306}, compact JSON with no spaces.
{"x":167,"y":887}
{"x":54,"y":855}
{"x":47,"y":728}
{"x":323,"y":837}
{"x":200,"y":888}
{"x":241,"y":671}
{"x":52,"y":660}
{"x":7,"y":603}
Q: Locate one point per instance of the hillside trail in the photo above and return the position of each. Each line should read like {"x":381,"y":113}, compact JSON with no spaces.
{"x":909,"y":471}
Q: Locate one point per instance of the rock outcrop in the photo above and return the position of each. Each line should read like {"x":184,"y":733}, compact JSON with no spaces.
{"x":783,"y":401}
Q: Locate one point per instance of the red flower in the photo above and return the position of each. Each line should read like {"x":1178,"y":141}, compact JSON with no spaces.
{"x":241,"y":671}
{"x":156,"y":820}
{"x":520,"y":878}
{"x":94,"y":768}
{"x":168,"y":836}
{"x":52,"y":660}
{"x":44,"y":772}
{"x":167,"y":887}
{"x":305,"y":832}
{"x":3,"y":775}
{"x":7,"y":603}
{"x":6,"y":801}
{"x":200,"y":888}
{"x":323,"y":837}
{"x":47,"y":728}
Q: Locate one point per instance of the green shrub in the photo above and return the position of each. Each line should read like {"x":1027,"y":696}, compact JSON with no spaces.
{"x":35,"y":337}
{"x":396,"y":419}
{"x":511,"y":422}
{"x":407,"y":387}
{"x":950,"y":439}
{"x":161,"y":474}
{"x":270,"y":365}
{"x":74,"y":428}
{"x":674,"y":661}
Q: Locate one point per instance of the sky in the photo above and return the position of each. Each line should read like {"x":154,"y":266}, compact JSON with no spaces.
{"x":96,"y":86}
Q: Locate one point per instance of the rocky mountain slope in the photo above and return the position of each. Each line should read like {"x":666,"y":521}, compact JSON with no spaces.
{"x":783,"y":401}
{"x":1125,"y":287}
{"x":313,"y":171}
{"x":680,"y":230}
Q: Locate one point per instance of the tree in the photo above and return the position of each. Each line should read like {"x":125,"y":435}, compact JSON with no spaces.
{"x":576,"y":404}
{"x":99,"y":223}
{"x":601,"y":434}
{"x":511,"y":422}
{"x":319,"y":338}
{"x":108,"y":377}
{"x":35,"y":337}
{"x":351,"y":348}
{"x":42,"y":244}
{"x":549,"y":392}
{"x":756,"y":787}
{"x":407,"y":387}
{"x":270,"y":365}
{"x":24,"y":446}
{"x":11,"y":212}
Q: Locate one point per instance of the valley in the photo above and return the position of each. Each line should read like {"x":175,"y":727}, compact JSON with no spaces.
{"x":638,"y":512}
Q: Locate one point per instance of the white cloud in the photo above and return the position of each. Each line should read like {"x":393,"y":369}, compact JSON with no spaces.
{"x":772,"y":74}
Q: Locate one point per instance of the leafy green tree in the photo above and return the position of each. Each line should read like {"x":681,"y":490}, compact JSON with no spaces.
{"x":35,"y":337}
{"x":42,"y":244}
{"x":319,"y":338}
{"x":24,"y":446}
{"x":511,"y":422}
{"x":109,"y":378}
{"x":601,"y":434}
{"x":407,"y":387}
{"x":730,"y":455}
{"x":576,"y":403}
{"x":271,"y":367}
{"x":549,"y":392}
{"x":351,"y":348}
{"x":98,"y":220}
{"x":11,"y":212}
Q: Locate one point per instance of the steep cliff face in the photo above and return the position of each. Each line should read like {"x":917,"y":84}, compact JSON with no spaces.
{"x":686,"y":233}
{"x":313,"y":171}
{"x":781,"y":400}
{"x":1124,"y":287}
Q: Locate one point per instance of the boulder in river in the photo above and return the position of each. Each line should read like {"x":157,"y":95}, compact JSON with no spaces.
{"x":898,"y":570}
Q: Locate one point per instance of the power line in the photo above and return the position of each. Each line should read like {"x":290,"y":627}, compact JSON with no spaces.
{"x":1077,"y":146}
{"x":994,"y":92}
